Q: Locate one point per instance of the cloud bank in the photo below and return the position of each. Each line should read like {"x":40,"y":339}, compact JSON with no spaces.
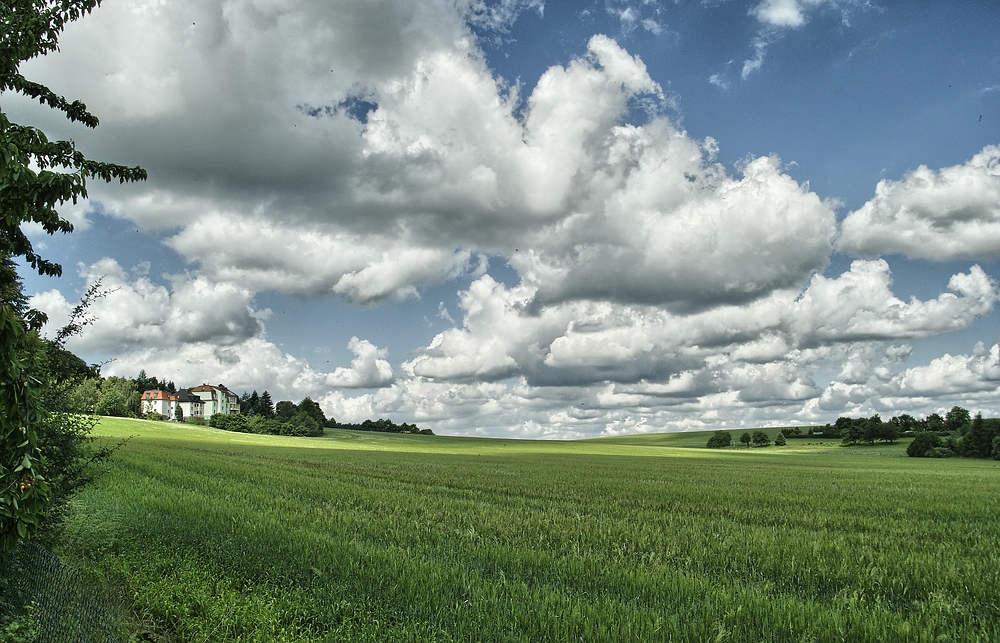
{"x":292,"y":149}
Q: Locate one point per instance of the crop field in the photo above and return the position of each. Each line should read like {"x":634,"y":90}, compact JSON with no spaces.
{"x":214,"y":536}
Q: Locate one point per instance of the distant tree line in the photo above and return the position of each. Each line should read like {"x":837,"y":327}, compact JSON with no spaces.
{"x":851,"y":431}
{"x":259,"y":415}
{"x":253,"y":405}
{"x":239,"y":423}
{"x":385,"y":426}
{"x":723,"y":439}
{"x":961,"y":435}
{"x":955,"y":434}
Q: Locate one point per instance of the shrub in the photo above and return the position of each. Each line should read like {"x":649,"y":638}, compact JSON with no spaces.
{"x":232,"y":422}
{"x":196,"y":420}
{"x":923,"y":444}
{"x":265,"y":426}
{"x":153,"y":416}
{"x":303,"y":424}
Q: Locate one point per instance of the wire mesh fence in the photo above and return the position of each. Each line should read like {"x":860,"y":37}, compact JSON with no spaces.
{"x":48,"y":601}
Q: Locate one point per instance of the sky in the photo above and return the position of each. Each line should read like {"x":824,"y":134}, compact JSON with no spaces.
{"x":537,"y":219}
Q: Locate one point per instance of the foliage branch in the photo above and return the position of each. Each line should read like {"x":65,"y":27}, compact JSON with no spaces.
{"x":36,"y":176}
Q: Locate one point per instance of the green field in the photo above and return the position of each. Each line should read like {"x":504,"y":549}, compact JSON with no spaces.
{"x":213,"y":536}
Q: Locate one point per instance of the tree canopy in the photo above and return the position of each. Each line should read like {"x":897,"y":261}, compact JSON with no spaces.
{"x":720,"y":440}
{"x":36,"y":176}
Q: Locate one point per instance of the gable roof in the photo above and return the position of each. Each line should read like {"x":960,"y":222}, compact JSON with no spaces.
{"x":184,"y":395}
{"x":158,"y":395}
{"x":208,"y":388}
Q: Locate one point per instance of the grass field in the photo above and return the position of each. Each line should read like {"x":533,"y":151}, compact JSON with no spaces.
{"x":213,"y":536}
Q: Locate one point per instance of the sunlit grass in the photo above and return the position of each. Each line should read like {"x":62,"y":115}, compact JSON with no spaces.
{"x":375,"y":537}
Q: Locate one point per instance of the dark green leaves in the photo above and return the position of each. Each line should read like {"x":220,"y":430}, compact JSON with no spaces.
{"x":36,"y":177}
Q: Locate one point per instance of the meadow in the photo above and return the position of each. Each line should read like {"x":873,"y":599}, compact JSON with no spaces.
{"x":213,"y":536}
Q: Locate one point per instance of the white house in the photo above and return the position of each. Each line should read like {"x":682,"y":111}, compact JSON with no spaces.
{"x":158,"y":401}
{"x":190,"y":404}
{"x":217,"y":399}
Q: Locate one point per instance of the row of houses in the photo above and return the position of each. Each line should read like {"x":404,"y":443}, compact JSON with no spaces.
{"x":200,"y":401}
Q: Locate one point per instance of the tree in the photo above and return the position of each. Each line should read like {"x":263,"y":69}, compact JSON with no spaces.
{"x":760,"y":439}
{"x":304,"y":424}
{"x":779,"y":440}
{"x":904,"y":422}
{"x":313,"y":410}
{"x":253,"y":404}
{"x":957,"y":419}
{"x":266,"y":406}
{"x":871,"y":428}
{"x":978,"y":443}
{"x":118,"y":397}
{"x":746,"y":438}
{"x":285,"y":410}
{"x":178,"y":413}
{"x":145,"y":383}
{"x":852,"y":430}
{"x":36,"y":176}
{"x":889,"y":431}
{"x":82,"y":398}
{"x":720,"y":440}
{"x":934,"y":422}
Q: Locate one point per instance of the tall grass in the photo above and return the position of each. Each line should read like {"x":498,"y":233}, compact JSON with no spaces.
{"x":410,"y":538}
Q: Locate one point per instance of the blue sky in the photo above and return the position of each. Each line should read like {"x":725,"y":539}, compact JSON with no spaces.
{"x":543,"y":219}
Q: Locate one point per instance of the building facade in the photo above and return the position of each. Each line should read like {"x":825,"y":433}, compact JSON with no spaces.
{"x":157,"y":401}
{"x":217,"y":399}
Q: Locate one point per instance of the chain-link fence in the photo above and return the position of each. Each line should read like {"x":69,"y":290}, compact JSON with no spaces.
{"x":48,"y":601}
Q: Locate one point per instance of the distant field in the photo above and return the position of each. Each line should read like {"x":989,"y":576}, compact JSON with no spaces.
{"x":214,"y":536}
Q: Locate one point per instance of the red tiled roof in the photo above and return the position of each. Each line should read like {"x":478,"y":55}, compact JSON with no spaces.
{"x":158,"y":395}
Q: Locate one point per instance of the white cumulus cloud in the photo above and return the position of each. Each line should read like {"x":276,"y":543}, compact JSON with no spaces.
{"x":368,"y":369}
{"x":951,"y":213}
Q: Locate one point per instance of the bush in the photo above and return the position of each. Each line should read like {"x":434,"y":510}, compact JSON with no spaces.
{"x":940,"y":452}
{"x":232,"y":422}
{"x":196,"y":420}
{"x":303,"y":424}
{"x":923,"y":444}
{"x":153,"y":416}
{"x":264,"y":426}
